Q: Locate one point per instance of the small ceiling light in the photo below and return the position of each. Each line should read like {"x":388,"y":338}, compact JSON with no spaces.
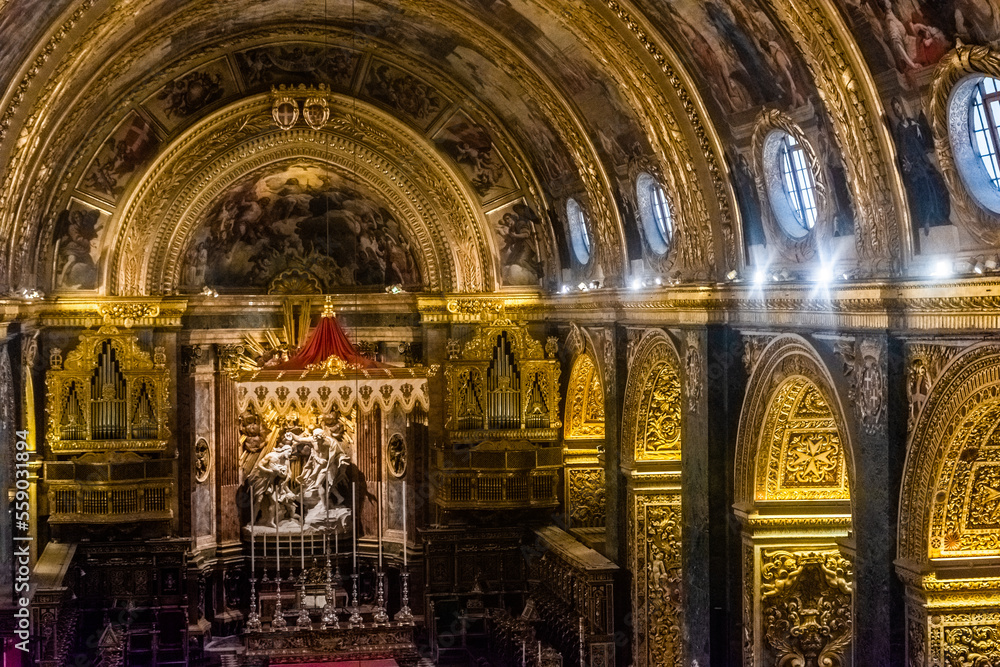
{"x":732,"y":275}
{"x":595,"y":284}
{"x":658,"y":281}
{"x":564,"y":289}
{"x":582,"y":287}
{"x":759,"y":277}
{"x":636,"y":283}
{"x":991,"y":264}
{"x":208,"y":291}
{"x":978,"y":267}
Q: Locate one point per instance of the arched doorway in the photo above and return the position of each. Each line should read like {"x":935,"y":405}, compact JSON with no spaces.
{"x":793,"y":472}
{"x":949,"y":517}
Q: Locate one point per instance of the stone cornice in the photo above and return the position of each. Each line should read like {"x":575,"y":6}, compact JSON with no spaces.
{"x":956,"y":305}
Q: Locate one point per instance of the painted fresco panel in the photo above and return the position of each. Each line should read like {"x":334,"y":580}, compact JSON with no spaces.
{"x":516,"y":228}
{"x":298,"y":216}
{"x":78,"y":234}
{"x":471,"y":146}
{"x":129,"y":148}
{"x":191,"y":92}
{"x":293,"y":64}
{"x":403,"y":92}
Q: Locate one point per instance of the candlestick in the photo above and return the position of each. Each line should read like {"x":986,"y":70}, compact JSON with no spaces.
{"x":380,"y":616}
{"x":278,"y":622}
{"x":354,"y":519}
{"x":329,"y":616}
{"x":302,"y":621}
{"x":380,"y":522}
{"x":404,"y":615}
{"x":405,"y":534}
{"x":302,"y":530}
{"x":355,"y":621}
{"x":253,"y":620}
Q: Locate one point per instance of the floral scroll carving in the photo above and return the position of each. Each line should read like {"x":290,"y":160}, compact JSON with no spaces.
{"x":586,"y":497}
{"x":657,"y":591}
{"x":806,"y":607}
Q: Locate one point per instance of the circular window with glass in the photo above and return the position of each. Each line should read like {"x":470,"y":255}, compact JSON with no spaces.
{"x":579,"y":235}
{"x":974,"y":130}
{"x":791,"y":184}
{"x":654,"y":213}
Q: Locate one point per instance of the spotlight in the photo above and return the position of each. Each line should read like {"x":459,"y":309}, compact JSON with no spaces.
{"x":394,"y":289}
{"x":564,"y":289}
{"x":582,"y":287}
{"x":942,"y":269}
{"x":595,"y":284}
{"x":732,"y":275}
{"x":208,"y":291}
{"x":658,"y":281}
{"x":636,"y":283}
{"x":978,"y":267}
{"x":31,"y":294}
{"x":759,"y":277}
{"x":825,"y":274}
{"x":991,"y":264}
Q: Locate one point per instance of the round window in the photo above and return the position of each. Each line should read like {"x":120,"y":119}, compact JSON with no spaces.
{"x":974,"y":130}
{"x":578,"y":234}
{"x":654,"y":213}
{"x":791,"y":185}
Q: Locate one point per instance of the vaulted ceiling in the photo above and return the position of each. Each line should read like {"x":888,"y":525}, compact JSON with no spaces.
{"x":139,"y":133}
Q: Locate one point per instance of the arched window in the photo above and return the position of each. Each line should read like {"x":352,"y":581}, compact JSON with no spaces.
{"x":579,"y":235}
{"x":790,"y":183}
{"x":797,"y":178}
{"x":654,"y":213}
{"x":974,"y":135}
{"x":985,"y":126}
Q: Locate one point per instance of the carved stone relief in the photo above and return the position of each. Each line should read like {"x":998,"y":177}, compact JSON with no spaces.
{"x":694,"y":363}
{"x":657,"y":592}
{"x":805,"y":609}
{"x":586,"y":497}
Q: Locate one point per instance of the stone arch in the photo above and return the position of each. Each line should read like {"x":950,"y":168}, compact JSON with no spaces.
{"x":949,"y":516}
{"x":651,"y":462}
{"x":792,"y":492}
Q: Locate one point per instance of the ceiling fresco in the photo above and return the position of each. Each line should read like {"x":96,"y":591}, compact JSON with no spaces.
{"x":526,"y":101}
{"x":299,"y":217}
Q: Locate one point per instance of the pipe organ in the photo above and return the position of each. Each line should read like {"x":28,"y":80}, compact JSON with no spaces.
{"x":502,"y":423}
{"x":107,"y":432}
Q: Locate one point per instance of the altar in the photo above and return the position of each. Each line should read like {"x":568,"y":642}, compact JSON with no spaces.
{"x":325,"y":435}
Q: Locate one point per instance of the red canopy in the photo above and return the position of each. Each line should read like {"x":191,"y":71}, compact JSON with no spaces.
{"x":326,"y":340}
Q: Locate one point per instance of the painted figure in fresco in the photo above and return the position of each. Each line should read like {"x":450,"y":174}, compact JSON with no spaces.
{"x":471,"y":145}
{"x":930,"y":204}
{"x":749,"y":201}
{"x":121,"y":155}
{"x":77,"y":230}
{"x":519,"y":255}
{"x":189,"y":93}
{"x":296,"y":63}
{"x":402,"y":91}
{"x":747,"y":52}
{"x":836,"y":177}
